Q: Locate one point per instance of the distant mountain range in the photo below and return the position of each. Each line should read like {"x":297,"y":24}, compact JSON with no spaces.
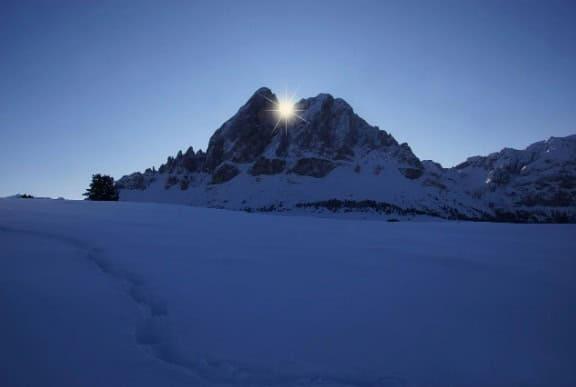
{"x":333,"y":161}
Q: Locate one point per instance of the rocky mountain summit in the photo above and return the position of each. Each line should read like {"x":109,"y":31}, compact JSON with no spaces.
{"x":331,"y":160}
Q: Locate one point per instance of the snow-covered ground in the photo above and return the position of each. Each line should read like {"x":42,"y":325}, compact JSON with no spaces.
{"x":132,"y":294}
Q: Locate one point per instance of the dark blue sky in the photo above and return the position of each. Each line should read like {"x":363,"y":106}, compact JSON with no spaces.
{"x":117,"y":86}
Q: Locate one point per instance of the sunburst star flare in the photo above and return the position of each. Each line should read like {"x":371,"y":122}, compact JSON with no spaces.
{"x":286,"y":109}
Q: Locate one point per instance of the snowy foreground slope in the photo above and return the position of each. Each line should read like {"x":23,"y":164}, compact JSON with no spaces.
{"x":134,"y":294}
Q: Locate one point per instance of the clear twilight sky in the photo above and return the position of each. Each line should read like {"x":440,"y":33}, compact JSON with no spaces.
{"x":116,"y":86}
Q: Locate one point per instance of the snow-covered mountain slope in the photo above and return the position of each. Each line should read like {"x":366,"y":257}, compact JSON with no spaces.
{"x":115,"y":294}
{"x":331,"y":160}
{"x":541,"y":177}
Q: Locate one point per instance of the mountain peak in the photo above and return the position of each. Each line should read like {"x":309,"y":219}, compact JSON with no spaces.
{"x":325,"y":127}
{"x":263,"y":91}
{"x":329,"y":156}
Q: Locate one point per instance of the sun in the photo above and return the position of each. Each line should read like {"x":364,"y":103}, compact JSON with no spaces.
{"x":286,"y":110}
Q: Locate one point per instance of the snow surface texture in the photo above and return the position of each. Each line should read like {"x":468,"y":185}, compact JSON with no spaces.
{"x":335,"y":162}
{"x":136,"y":294}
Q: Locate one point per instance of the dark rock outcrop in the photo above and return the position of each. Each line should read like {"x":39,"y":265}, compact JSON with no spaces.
{"x":245,"y":136}
{"x":133,"y":181}
{"x":411,"y":173}
{"x":264,"y":166}
{"x":313,"y":167}
{"x":224,"y":173}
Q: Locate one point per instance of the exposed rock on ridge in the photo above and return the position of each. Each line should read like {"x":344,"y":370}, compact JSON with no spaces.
{"x":333,"y":154}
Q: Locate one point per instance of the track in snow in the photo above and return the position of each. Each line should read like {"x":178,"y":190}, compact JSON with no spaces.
{"x":155,"y":336}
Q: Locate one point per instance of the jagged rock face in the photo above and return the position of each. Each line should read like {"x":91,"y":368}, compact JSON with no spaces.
{"x":264,"y":166}
{"x":328,"y":129}
{"x":313,"y":167}
{"x":412,"y":173}
{"x":334,"y":146}
{"x":184,"y":162}
{"x":245,"y":136}
{"x":133,"y":181}
{"x":137,"y":180}
{"x":224,"y":173}
{"x":544,"y":174}
{"x":331,"y":130}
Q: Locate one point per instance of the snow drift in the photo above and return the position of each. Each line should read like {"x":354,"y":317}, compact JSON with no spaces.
{"x":136,"y":294}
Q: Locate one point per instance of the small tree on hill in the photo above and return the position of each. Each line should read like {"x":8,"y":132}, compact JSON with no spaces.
{"x":102,"y":188}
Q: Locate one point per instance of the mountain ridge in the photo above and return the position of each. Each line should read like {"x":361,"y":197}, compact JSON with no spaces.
{"x":331,"y":160}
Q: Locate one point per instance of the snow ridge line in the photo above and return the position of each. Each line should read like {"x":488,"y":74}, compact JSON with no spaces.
{"x":155,"y":336}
